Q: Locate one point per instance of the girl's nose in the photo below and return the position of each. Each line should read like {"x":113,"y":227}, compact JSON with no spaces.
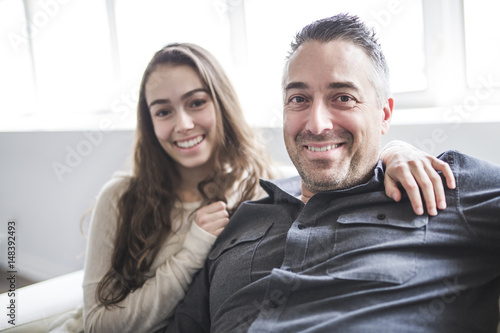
{"x":184,"y":122}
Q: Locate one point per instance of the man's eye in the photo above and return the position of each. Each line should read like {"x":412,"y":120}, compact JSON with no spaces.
{"x":345,"y":101}
{"x":345,"y":98}
{"x":297,"y":99}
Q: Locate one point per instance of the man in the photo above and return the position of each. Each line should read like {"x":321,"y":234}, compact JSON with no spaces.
{"x":329,"y":252}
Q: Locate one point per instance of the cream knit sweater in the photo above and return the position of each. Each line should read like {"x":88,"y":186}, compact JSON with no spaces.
{"x":147,"y":309}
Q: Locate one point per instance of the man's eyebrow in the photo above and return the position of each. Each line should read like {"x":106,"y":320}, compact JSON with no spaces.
{"x":333,"y":85}
{"x":296,"y":85}
{"x":184,"y":97}
{"x":343,"y":85}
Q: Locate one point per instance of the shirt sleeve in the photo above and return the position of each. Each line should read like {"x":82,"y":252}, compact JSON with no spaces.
{"x":478,"y":195}
{"x":148,"y":308}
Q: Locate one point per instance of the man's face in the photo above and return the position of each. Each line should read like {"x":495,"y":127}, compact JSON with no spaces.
{"x":332,"y":121}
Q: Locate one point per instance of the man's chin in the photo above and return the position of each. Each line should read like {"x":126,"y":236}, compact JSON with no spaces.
{"x":320,"y":182}
{"x":317,"y":175}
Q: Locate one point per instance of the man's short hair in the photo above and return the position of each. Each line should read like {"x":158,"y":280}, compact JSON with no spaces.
{"x":348,"y":28}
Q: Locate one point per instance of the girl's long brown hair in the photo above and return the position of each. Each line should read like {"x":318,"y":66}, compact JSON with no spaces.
{"x":144,"y":209}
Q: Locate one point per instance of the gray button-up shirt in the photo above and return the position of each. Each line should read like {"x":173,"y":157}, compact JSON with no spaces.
{"x":355,"y":261}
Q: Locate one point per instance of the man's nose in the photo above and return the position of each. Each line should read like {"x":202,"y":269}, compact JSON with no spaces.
{"x":320,"y":118}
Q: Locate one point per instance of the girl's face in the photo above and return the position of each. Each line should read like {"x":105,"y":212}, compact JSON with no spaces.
{"x":183,"y":116}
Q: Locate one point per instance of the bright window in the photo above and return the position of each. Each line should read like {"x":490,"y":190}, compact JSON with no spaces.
{"x":270,"y":31}
{"x":482,"y":42}
{"x":72,"y":65}
{"x":144,"y":27}
{"x":17,"y":84}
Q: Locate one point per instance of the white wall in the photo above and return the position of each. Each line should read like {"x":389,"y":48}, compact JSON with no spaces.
{"x":48,"y":181}
{"x":48,"y":208}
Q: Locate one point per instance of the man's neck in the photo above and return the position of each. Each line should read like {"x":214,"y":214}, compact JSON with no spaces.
{"x":306,"y":194}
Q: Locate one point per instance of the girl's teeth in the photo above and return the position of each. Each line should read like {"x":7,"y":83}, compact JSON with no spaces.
{"x":190,"y":143}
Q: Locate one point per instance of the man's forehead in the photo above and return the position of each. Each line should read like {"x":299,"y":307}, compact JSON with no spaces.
{"x":332,"y":61}
{"x":332,"y":51}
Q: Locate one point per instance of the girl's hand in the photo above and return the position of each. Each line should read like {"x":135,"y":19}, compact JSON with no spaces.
{"x":413,"y":168}
{"x":212,"y":218}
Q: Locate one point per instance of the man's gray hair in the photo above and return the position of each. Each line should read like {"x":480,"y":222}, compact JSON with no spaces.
{"x":347,"y":28}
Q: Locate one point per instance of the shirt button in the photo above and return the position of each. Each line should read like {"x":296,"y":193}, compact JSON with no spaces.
{"x":301,"y":226}
{"x":381,"y":217}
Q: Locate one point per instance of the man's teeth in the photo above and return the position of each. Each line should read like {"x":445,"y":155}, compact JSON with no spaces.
{"x":190,"y":143}
{"x":325,"y":148}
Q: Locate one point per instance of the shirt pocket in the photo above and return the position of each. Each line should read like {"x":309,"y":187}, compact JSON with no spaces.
{"x":251,"y":236}
{"x":234,"y":255}
{"x":231,"y":263}
{"x":378,"y":244}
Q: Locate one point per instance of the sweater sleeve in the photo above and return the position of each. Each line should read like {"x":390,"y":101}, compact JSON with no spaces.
{"x":148,"y":308}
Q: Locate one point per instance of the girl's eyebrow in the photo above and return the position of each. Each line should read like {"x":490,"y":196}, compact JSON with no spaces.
{"x":192,"y":92}
{"x":184,"y":97}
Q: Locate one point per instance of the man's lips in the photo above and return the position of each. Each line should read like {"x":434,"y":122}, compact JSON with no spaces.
{"x":317,"y":148}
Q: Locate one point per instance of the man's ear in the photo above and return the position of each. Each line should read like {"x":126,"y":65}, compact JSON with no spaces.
{"x":387,"y":115}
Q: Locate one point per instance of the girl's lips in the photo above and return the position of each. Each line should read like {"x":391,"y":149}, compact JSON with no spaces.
{"x":186,"y":144}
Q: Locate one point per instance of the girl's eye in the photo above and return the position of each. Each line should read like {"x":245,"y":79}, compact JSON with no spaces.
{"x":162,"y":113}
{"x":198,"y":103}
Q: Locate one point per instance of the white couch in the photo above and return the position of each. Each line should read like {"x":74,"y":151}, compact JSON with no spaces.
{"x":40,"y":306}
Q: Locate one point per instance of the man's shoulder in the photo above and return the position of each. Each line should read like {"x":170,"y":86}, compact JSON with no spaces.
{"x":472,"y":173}
{"x":462,"y":162}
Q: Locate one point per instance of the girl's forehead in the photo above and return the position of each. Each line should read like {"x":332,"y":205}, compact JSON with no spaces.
{"x":172,"y":80}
